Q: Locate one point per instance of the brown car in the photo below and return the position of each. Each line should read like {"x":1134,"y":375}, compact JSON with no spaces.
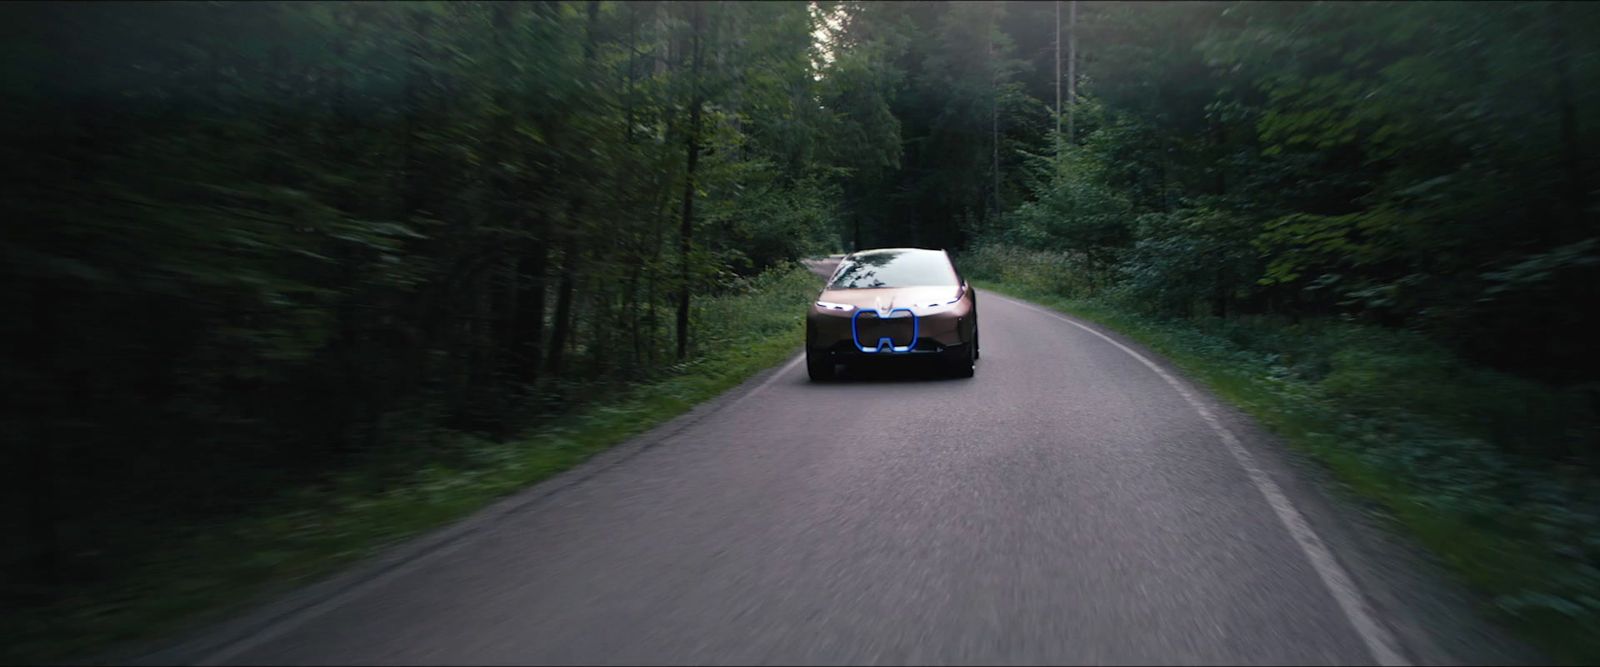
{"x":893,"y":302}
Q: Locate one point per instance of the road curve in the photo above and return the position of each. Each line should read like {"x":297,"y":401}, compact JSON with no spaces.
{"x":1069,"y":504}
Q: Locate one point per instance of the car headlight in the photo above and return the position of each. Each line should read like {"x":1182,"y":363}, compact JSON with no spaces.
{"x":931,"y":308}
{"x":829,"y":305}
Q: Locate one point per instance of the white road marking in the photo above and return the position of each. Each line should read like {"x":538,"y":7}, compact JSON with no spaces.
{"x":295,"y":619}
{"x":768,"y":382}
{"x":1379,"y":641}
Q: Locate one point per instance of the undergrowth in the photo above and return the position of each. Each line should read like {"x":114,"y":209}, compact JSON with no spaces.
{"x":1487,"y":470}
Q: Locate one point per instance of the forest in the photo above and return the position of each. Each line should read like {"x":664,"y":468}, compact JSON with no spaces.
{"x":250,"y":246}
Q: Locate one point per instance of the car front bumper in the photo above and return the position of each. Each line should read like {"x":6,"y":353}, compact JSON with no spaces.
{"x":866,"y":333}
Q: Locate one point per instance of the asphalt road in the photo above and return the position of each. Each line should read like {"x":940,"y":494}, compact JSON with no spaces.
{"x":1072,"y":503}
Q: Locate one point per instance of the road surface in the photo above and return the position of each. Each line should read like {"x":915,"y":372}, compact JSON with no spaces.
{"x":1075,"y":502}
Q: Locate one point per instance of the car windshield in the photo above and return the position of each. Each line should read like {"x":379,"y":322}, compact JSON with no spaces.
{"x":895,"y":268}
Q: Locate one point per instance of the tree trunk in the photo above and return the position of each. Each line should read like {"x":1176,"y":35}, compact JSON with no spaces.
{"x":630,"y":300}
{"x":633,"y":56}
{"x":45,"y":559}
{"x":413,"y":182}
{"x":602,"y":326}
{"x":994,"y":119}
{"x":1072,"y":67}
{"x":563,"y":316}
{"x":1219,"y":296}
{"x":691,"y":160}
{"x":38,"y":470}
{"x":1567,"y":113}
{"x":571,"y":250}
{"x":1219,"y":135}
{"x":530,"y":327}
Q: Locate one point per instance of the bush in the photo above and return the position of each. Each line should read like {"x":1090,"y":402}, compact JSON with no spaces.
{"x":1189,"y":261}
{"x":1052,"y":272}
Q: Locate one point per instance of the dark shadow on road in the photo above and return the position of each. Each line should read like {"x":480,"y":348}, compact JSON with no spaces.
{"x":895,"y":370}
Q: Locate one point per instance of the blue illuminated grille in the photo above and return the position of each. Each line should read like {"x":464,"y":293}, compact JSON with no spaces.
{"x":884,"y":330}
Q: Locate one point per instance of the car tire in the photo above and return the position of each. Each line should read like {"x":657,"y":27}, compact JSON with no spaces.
{"x":977,"y":352}
{"x":819,"y":365}
{"x":961,"y":361}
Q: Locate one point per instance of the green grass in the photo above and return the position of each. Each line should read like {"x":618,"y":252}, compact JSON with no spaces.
{"x":208,"y":572}
{"x":1462,"y":458}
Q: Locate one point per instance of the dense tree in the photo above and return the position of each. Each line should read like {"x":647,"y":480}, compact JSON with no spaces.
{"x":1424,"y":166}
{"x":253,"y":240}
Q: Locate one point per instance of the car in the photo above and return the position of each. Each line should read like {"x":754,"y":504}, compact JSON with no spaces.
{"x":893,"y":302}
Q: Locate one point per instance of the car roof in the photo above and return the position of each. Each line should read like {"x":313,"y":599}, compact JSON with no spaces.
{"x":877,"y":251}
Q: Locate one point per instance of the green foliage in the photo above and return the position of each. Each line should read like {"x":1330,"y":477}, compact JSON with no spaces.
{"x":1036,"y":271}
{"x":1074,"y":209}
{"x":1411,"y":165}
{"x":1190,"y":257}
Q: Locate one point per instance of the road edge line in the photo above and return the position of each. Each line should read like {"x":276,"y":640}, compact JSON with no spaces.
{"x":231,"y":638}
{"x":1379,"y":641}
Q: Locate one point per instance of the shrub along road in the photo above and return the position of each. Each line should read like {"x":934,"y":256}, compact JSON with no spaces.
{"x":1075,"y":502}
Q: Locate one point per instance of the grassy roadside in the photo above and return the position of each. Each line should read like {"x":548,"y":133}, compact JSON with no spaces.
{"x":1423,"y":435}
{"x":310,"y":532}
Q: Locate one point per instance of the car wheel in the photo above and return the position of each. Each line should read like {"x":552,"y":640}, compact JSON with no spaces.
{"x":819,"y":365}
{"x":961,"y":360}
{"x":976,"y":351}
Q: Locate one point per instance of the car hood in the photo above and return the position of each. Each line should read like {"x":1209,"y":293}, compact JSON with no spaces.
{"x":883,"y":298}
